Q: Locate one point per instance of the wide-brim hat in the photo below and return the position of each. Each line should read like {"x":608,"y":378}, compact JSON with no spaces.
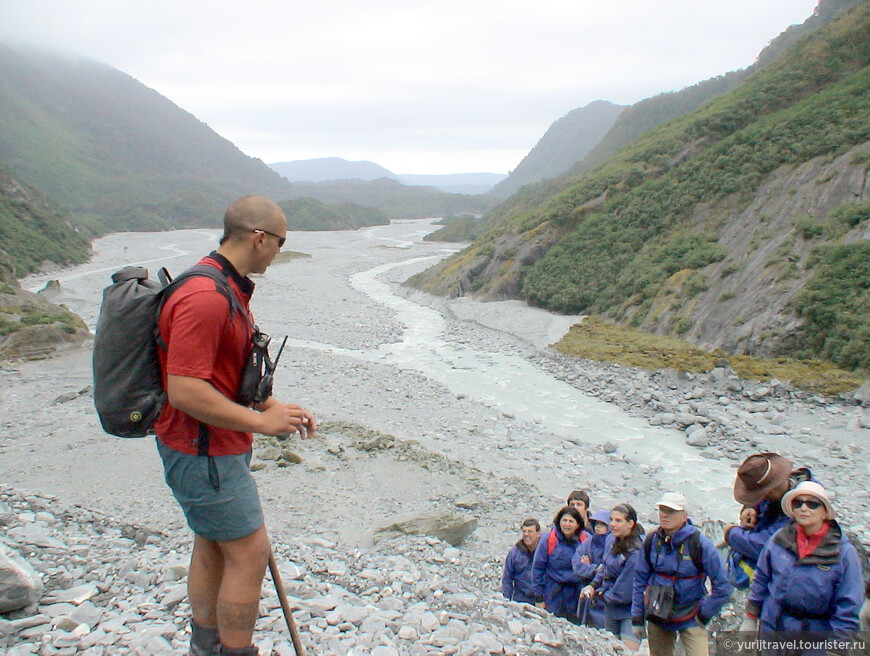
{"x":758,"y":475}
{"x":807,"y":488}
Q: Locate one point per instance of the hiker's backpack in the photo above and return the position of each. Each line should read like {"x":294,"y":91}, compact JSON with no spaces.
{"x":128,"y":386}
{"x":553,"y":540}
{"x":693,"y":543}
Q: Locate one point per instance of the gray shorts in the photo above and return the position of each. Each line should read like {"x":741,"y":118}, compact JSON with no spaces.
{"x":217,"y":493}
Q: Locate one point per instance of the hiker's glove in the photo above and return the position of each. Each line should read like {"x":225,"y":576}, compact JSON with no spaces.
{"x":749,"y":625}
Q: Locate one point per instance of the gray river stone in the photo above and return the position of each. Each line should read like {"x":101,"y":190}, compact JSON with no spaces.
{"x":20,"y":584}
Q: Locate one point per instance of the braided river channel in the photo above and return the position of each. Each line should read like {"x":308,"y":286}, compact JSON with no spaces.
{"x":353,"y":329}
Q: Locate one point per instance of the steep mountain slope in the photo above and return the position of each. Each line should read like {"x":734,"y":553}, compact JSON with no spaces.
{"x":566,"y":141}
{"x":117,"y":154}
{"x":659,"y":220}
{"x":33,"y":229}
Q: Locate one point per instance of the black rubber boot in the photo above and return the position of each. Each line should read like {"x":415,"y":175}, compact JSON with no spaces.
{"x":241,"y":651}
{"x":204,"y":640}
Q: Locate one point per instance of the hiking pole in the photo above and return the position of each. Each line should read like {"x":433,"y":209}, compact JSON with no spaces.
{"x":285,"y":606}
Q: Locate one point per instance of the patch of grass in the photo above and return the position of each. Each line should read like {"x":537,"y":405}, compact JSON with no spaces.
{"x":595,"y":339}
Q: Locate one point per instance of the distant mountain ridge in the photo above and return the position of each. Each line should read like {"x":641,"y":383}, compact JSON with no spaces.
{"x":325,"y":169}
{"x":333,"y":169}
{"x":116,"y":153}
{"x":565,"y":142}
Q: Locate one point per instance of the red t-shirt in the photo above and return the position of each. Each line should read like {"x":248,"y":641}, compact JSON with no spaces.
{"x":200,"y":344}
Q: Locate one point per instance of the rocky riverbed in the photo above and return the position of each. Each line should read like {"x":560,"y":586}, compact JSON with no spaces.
{"x":92,"y":514}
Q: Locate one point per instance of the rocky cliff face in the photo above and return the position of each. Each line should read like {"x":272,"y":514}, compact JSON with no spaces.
{"x":747,"y":305}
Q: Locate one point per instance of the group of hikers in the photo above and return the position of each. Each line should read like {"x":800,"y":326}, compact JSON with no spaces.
{"x":602,"y":569}
{"x":599,"y":569}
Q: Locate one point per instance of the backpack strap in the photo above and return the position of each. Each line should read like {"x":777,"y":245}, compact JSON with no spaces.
{"x":695,"y":553}
{"x":552,"y":541}
{"x":222,"y":285}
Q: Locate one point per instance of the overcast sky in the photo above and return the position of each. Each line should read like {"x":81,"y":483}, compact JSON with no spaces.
{"x":444,"y":86}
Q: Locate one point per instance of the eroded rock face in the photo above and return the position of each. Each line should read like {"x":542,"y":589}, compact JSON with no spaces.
{"x":445,"y":525}
{"x":31,"y":327}
{"x":20,"y":585}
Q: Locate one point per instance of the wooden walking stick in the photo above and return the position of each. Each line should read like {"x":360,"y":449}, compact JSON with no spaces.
{"x":285,"y":606}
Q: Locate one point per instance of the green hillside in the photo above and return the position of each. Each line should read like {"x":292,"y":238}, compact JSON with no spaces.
{"x":610,"y":240}
{"x":117,"y":154}
{"x":33,"y":229}
{"x":311,"y":214}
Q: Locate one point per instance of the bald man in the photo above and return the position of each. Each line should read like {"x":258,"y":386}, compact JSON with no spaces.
{"x":204,"y":435}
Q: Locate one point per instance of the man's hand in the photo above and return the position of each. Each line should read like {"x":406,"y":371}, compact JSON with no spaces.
{"x":749,"y":625}
{"x":865,"y":615}
{"x":587,"y":592}
{"x":281,"y":418}
{"x":638,"y":628}
{"x":748,"y":518}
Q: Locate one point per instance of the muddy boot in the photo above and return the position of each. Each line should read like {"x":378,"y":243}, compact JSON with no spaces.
{"x":204,"y":640}
{"x":241,"y":651}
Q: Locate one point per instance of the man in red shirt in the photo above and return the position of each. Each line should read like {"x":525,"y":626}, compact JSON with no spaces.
{"x":204,"y":435}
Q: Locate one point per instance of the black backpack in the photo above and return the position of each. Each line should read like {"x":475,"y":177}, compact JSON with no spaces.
{"x":128,"y":387}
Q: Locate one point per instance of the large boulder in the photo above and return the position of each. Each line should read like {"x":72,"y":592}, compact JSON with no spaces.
{"x":32,"y":328}
{"x":452,"y":527}
{"x":20,"y":585}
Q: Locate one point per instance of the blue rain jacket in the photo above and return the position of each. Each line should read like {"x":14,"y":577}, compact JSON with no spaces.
{"x":615,"y":579}
{"x":590,"y":611}
{"x":821,"y":592}
{"x":671,"y":565}
{"x":553,"y":575}
{"x":594,"y":548}
{"x":748,"y":543}
{"x":516,"y":580}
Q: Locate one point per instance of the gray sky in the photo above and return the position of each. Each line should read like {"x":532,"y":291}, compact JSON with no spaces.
{"x":419,"y":87}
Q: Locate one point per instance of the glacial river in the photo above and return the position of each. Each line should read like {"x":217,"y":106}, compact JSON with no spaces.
{"x":500,"y":380}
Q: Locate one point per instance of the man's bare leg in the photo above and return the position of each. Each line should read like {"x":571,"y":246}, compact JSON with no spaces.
{"x":203,"y":583}
{"x":238,"y":600}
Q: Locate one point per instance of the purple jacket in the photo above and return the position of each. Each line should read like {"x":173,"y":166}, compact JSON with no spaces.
{"x":615,"y":579}
{"x":553,"y":575}
{"x":594,"y":548}
{"x":671,"y":565}
{"x":749,"y":542}
{"x":516,"y":580}
{"x":821,"y":592}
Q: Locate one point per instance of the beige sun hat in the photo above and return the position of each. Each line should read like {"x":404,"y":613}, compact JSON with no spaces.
{"x":807,"y":488}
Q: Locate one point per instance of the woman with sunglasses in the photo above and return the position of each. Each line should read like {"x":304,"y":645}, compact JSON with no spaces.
{"x":809,"y":574}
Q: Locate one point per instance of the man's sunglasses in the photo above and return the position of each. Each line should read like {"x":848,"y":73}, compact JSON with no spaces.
{"x":280,"y":239}
{"x":812,"y":504}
